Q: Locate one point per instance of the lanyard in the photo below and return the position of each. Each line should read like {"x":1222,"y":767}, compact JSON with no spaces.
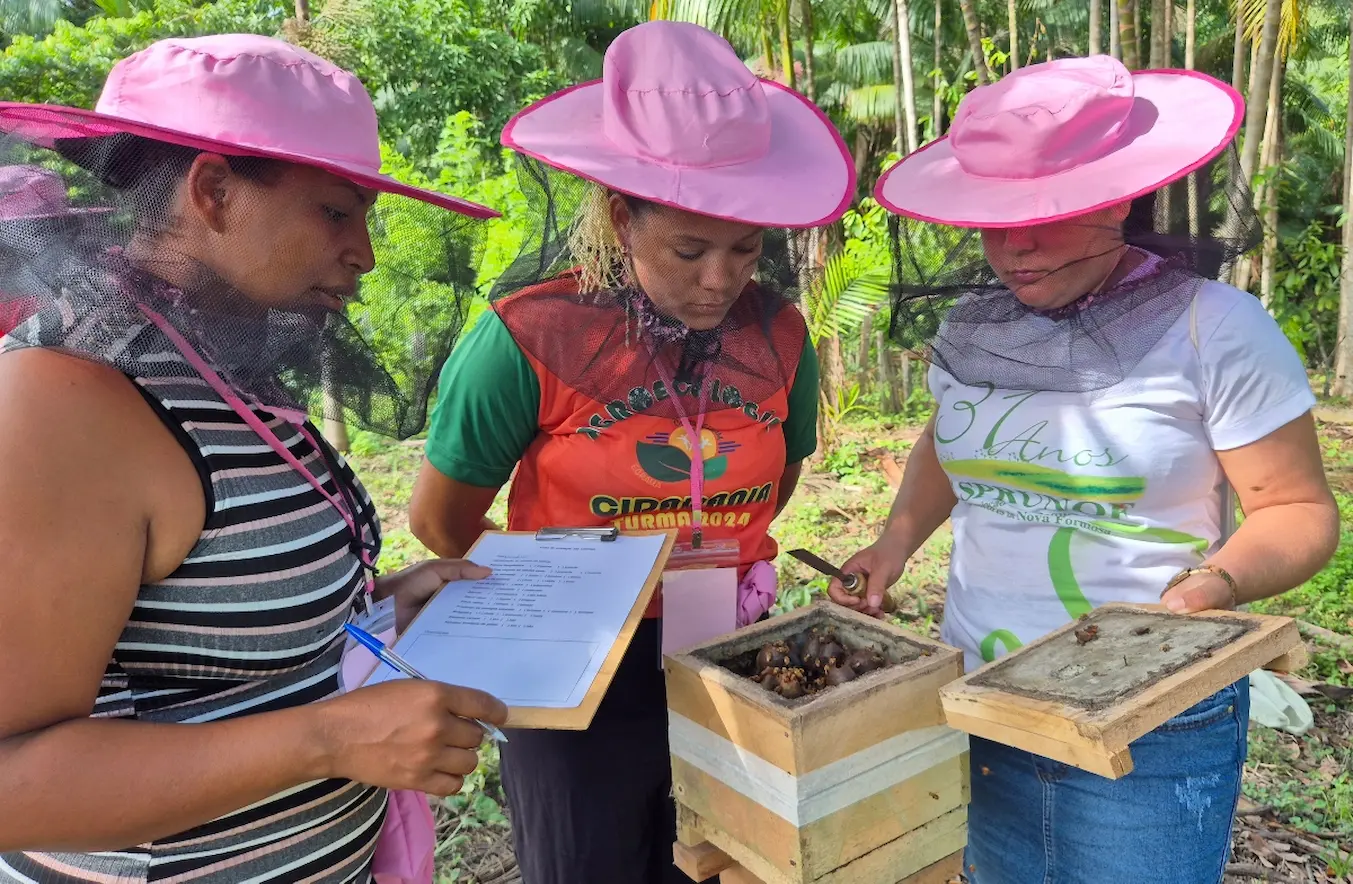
{"x":255,"y":423}
{"x":697,"y":447}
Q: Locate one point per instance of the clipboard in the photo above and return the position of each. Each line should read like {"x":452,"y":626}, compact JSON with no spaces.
{"x":580,"y":717}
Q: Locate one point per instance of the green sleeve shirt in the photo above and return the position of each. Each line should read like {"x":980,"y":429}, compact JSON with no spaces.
{"x":488,"y":408}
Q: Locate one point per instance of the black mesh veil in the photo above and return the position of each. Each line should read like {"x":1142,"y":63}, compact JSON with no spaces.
{"x":951,"y":307}
{"x":574,"y":302}
{"x":289,"y":321}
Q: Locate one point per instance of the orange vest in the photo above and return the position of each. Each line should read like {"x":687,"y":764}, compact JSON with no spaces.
{"x":602,"y":463}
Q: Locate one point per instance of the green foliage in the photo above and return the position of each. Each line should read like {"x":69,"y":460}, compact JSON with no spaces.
{"x":423,"y":60}
{"x":69,"y":65}
{"x":1305,"y":297}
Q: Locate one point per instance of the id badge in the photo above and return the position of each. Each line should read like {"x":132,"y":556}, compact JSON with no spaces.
{"x":699,"y":594}
{"x":378,"y":619}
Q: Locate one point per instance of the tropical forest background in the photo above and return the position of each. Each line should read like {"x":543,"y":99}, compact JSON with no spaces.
{"x":447,"y":74}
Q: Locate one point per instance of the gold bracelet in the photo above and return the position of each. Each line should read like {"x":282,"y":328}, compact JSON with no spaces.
{"x":1204,"y":569}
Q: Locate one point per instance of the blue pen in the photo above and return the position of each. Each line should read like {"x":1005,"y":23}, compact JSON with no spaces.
{"x":393,"y":660}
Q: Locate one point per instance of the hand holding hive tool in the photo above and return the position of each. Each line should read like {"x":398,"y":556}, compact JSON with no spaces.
{"x":851,"y":582}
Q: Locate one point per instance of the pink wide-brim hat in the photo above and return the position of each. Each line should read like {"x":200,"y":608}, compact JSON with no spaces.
{"x":678,"y":119}
{"x":235,"y":94}
{"x":1060,"y":139}
{"x":32,"y":193}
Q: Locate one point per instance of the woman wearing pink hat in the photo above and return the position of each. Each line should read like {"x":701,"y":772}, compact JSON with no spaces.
{"x":649,"y":370}
{"x":1095,"y":395}
{"x":184,"y":549}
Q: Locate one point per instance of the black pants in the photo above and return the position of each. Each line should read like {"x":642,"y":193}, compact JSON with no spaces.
{"x":595,"y":806}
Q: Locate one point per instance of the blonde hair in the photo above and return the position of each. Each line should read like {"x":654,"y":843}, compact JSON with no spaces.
{"x":596,"y":249}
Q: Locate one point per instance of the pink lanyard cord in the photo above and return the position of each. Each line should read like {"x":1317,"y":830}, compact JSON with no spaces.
{"x":697,"y":448}
{"x":256,"y":424}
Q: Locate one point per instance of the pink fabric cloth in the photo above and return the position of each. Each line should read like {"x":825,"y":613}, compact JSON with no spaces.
{"x":677,"y":118}
{"x":1060,"y":139}
{"x":406,"y":851}
{"x":237,"y":94}
{"x":407,"y":847}
{"x":756,"y":592}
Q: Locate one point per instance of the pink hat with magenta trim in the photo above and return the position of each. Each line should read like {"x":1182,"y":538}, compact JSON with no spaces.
{"x":236,"y":94}
{"x":678,"y":119}
{"x":1061,"y":139}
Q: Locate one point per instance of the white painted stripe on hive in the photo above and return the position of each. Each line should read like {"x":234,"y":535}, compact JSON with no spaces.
{"x":820,"y":793}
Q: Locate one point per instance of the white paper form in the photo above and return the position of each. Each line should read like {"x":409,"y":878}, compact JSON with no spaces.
{"x":537,"y":631}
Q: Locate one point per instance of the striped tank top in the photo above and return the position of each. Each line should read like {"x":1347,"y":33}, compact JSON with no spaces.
{"x":251,"y":621}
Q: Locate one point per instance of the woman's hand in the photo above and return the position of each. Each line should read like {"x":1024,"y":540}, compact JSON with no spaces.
{"x":1204,"y":591}
{"x":413,"y":586}
{"x":407,"y":734}
{"x":881,"y":564}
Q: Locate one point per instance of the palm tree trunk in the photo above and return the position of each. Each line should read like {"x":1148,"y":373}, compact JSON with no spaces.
{"x":904,"y":77}
{"x":1127,"y":37}
{"x":1190,"y":52}
{"x":1137,"y":29}
{"x":1272,"y":152}
{"x":1096,"y":12}
{"x":809,"y":72}
{"x":1262,"y":81}
{"x":767,"y":48}
{"x":974,"y":29}
{"x":887,"y":376}
{"x":1167,"y":50}
{"x":1343,"y":344}
{"x":1157,"y":51}
{"x":302,"y":10}
{"x":1261,"y":75}
{"x":832,"y":384}
{"x":937,"y":102}
{"x":1115,"y":31}
{"x":1190,"y":35}
{"x":1013,"y":15}
{"x":861,"y":149}
{"x":786,"y":43}
{"x":1238,"y":62}
{"x":863,"y":351}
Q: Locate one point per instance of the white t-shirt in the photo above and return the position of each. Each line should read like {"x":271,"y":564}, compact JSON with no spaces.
{"x":1068,"y":501}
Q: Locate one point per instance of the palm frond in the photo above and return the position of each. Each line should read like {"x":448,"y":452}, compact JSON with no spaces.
{"x":845,"y":296}
{"x":865,"y":64}
{"x":871,"y":104}
{"x":30,"y":16}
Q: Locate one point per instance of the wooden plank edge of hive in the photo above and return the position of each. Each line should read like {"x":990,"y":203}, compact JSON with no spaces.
{"x":941,"y":838}
{"x":1138,"y":715}
{"x":1293,"y":661}
{"x":940,"y":872}
{"x":729,"y":715}
{"x":906,"y":855}
{"x":690,"y":825}
{"x":700,"y":862}
{"x":1084,"y":753}
{"x":1121,"y":723}
{"x":900,"y":700}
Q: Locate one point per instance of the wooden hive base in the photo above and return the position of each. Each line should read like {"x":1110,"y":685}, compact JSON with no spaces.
{"x":931,"y":854}
{"x":862,"y":776}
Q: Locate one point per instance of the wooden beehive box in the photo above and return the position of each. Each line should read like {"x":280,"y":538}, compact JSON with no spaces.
{"x":860,"y":783}
{"x":1082,"y":693}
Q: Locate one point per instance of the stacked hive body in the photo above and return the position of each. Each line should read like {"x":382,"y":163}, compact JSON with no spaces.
{"x":860,"y":783}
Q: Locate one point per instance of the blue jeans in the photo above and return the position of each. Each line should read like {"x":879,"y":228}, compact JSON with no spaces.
{"x":1037,"y":821}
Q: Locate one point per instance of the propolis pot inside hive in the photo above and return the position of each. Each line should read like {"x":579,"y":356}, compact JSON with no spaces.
{"x":857,"y":781}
